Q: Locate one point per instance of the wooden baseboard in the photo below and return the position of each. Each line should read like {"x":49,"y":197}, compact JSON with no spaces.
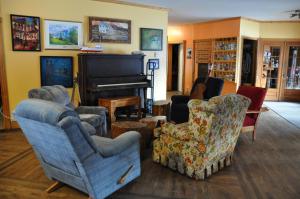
{"x":14,"y":125}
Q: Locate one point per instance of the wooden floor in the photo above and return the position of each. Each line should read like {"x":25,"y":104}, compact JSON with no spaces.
{"x":269,"y":168}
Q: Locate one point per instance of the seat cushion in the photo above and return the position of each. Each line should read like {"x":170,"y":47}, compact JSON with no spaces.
{"x":92,"y":119}
{"x":249,"y":121}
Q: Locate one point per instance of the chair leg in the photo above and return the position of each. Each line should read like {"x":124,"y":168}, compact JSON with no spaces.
{"x":253,"y":135}
{"x":54,"y":187}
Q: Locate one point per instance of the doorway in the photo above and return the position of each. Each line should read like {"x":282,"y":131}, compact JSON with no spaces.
{"x":291,"y":72}
{"x":175,"y":67}
{"x":249,"y":63}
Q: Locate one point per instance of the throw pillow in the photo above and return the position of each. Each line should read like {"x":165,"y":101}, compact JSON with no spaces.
{"x":198,"y":91}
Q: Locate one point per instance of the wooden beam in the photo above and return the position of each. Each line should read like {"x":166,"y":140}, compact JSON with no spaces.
{"x":3,"y":84}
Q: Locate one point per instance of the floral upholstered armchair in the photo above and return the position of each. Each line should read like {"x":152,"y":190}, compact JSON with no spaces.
{"x":205,"y":143}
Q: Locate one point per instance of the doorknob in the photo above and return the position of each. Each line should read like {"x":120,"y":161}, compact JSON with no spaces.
{"x":263,"y":76}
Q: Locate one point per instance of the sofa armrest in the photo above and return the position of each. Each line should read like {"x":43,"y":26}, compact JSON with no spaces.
{"x":262,"y":109}
{"x":109,"y":147}
{"x":180,"y":99}
{"x":89,"y":128}
{"x":178,"y":131}
{"x":98,"y":110}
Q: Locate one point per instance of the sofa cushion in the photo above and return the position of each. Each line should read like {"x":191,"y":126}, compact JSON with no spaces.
{"x":249,"y":121}
{"x":93,"y":119}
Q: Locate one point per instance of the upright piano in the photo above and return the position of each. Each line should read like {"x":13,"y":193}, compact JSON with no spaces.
{"x":111,"y":75}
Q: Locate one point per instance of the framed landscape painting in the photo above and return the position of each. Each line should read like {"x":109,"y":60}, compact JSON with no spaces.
{"x":56,"y":70}
{"x":63,"y":34}
{"x":25,"y":31}
{"x":109,"y":30}
{"x":151,"y":39}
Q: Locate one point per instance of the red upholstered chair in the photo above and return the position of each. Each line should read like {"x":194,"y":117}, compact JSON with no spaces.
{"x":257,"y":96}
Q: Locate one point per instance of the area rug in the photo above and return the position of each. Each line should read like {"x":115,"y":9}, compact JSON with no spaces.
{"x":288,"y":110}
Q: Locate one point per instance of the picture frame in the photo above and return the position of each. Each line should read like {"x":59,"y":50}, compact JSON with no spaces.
{"x":56,"y":70}
{"x":63,"y":35}
{"x":153,"y":64}
{"x":109,"y":30}
{"x":25,"y":33}
{"x":151,"y":39}
{"x":189,"y":53}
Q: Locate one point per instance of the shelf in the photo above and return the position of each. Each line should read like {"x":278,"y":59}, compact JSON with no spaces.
{"x":225,"y":61}
{"x":224,"y":51}
{"x":224,"y":71}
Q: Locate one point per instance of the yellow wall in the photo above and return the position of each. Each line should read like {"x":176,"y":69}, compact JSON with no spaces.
{"x":23,"y":68}
{"x":280,"y":30}
{"x":249,"y":28}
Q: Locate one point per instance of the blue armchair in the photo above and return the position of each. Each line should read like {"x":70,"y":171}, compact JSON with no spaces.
{"x":94,"y":115}
{"x":68,"y":154}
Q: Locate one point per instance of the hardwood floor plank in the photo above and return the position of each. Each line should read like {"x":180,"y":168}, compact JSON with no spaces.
{"x":267,"y":168}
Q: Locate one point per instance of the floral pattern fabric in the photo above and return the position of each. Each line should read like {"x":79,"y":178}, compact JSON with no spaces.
{"x":208,"y":137}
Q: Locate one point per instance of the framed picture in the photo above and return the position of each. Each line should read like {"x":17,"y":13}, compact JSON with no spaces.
{"x":153,"y":64}
{"x":151,"y":39}
{"x":56,"y":70}
{"x":189,"y":53}
{"x":25,"y":31}
{"x":63,"y":34}
{"x":109,"y":30}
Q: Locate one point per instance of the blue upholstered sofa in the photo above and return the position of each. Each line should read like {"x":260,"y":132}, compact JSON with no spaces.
{"x":94,"y":115}
{"x":69,"y":153}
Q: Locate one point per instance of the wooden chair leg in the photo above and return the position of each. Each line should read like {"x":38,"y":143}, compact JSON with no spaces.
{"x":54,"y":187}
{"x":253,"y":135}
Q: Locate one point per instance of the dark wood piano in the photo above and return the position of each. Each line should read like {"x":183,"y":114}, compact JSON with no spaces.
{"x":111,"y":75}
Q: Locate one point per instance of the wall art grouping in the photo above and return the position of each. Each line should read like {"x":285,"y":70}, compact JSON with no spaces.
{"x":25,"y":32}
{"x":63,"y":34}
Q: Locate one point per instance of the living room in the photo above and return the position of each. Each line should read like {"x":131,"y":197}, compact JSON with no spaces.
{"x":212,"y":88}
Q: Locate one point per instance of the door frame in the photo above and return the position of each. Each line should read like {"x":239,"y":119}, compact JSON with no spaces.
{"x":256,"y":60}
{"x":4,"y":90}
{"x":183,"y":43}
{"x":272,"y":94}
{"x":288,"y":94}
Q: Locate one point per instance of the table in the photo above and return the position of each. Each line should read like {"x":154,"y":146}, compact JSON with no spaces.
{"x":153,"y":122}
{"x":118,"y":128}
{"x":161,"y":107}
{"x":112,"y":103}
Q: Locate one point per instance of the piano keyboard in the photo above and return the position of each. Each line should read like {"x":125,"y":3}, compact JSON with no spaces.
{"x":122,"y":84}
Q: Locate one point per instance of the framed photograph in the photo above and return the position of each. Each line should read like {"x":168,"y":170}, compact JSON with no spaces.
{"x":63,"y":34}
{"x":56,"y":70}
{"x":25,"y":31}
{"x":189,"y":53}
{"x":151,"y":39}
{"x":153,"y":64}
{"x":109,"y":30}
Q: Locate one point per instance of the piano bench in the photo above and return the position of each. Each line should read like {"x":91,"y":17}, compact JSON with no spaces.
{"x":113,"y":103}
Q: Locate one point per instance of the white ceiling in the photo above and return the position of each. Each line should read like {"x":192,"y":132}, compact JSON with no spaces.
{"x":186,"y":11}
